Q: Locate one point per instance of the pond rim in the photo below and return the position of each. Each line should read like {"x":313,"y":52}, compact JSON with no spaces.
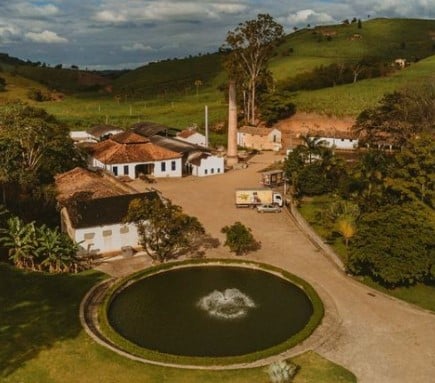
{"x":95,"y":305}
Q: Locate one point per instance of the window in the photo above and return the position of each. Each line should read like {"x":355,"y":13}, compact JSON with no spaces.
{"x":163,"y":166}
{"x":218,"y":170}
{"x":205,"y":171}
{"x":274,"y":138}
{"x":173,"y":165}
{"x":89,"y":236}
{"x":126,"y":170}
{"x":115,"y":170}
{"x":212,"y":170}
{"x":124,"y":230}
{"x":107,"y":233}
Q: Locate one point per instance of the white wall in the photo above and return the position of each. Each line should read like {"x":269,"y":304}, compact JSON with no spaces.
{"x":81,"y":136}
{"x":275,"y":133}
{"x":107,"y":238}
{"x":158,"y":172}
{"x":209,"y":166}
{"x":340,"y":143}
{"x":196,"y":139}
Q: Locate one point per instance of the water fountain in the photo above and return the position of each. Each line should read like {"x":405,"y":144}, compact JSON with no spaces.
{"x":227,"y":304}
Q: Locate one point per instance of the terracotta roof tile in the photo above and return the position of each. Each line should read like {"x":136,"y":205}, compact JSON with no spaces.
{"x":130,"y":147}
{"x":97,"y":184}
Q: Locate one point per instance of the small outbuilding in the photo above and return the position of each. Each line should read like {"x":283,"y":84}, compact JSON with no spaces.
{"x":259,"y":138}
{"x":192,"y":136}
{"x":202,"y":164}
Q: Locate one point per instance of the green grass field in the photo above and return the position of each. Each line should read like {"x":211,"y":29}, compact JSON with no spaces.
{"x":43,"y":342}
{"x":165,"y":92}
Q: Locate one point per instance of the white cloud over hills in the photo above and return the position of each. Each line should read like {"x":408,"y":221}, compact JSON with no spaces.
{"x":111,"y":32}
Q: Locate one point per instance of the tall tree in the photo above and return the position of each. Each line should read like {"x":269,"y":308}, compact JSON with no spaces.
{"x":250,"y":46}
{"x":34,"y":147}
{"x":164,"y":230}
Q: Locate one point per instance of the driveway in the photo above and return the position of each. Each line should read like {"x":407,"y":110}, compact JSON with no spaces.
{"x":378,"y":338}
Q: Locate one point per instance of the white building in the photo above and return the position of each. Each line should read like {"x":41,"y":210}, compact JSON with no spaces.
{"x":192,"y":136}
{"x":93,"y":206}
{"x":205,"y":164}
{"x":341,"y":141}
{"x":132,"y":155}
{"x":259,"y":138}
{"x":97,"y":224}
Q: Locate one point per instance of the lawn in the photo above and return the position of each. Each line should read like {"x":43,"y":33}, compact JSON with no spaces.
{"x":43,"y":342}
{"x":420,"y":294}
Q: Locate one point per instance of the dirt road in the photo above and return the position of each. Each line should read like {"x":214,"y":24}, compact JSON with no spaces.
{"x":378,"y":338}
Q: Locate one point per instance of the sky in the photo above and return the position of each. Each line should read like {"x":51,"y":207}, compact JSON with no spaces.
{"x":117,"y":34}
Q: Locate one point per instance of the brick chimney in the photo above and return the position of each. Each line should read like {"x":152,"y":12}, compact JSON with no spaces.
{"x":232,"y":158}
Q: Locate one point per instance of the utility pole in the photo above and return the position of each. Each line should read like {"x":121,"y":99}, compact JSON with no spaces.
{"x":206,"y":126}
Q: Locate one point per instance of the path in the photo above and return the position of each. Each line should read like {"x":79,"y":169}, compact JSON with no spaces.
{"x":378,"y":338}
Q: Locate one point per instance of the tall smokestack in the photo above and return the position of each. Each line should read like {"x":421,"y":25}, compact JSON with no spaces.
{"x":232,"y":158}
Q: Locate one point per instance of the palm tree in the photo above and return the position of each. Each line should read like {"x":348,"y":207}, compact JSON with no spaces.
{"x":346,"y":227}
{"x":314,"y":146}
{"x":20,"y":239}
{"x":56,"y":250}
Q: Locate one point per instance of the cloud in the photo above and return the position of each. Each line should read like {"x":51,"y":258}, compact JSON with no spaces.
{"x":230,"y":8}
{"x":137,"y":47}
{"x":47,"y":37}
{"x":308,"y":16}
{"x":9,"y":33}
{"x":31,"y":10}
{"x":116,"y":32}
{"x":108,"y":16}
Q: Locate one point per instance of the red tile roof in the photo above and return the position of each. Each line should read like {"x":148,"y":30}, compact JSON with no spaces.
{"x":128,"y":147}
{"x":97,"y":184}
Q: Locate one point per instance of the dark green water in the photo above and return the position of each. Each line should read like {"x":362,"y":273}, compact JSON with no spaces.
{"x":163,"y":312}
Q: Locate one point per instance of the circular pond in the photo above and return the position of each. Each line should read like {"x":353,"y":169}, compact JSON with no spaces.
{"x":209,"y":311}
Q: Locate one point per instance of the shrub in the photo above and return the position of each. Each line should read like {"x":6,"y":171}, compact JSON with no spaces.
{"x":282,"y":371}
{"x":240,"y":239}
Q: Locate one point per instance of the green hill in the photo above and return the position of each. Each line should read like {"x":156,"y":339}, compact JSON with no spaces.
{"x":301,"y":51}
{"x":165,"y":91}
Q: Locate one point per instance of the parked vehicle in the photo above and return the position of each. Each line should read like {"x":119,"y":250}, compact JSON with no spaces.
{"x":272,"y":178}
{"x":268,"y":208}
{"x":259,"y":196}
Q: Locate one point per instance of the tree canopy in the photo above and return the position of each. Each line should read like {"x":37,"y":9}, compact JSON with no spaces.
{"x":399,"y":117}
{"x":249,"y":47}
{"x":395,"y":245}
{"x":34,"y":146}
{"x":165,"y":232}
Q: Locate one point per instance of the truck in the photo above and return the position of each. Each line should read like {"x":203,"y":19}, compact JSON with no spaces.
{"x":257,"y":196}
{"x":272,"y":178}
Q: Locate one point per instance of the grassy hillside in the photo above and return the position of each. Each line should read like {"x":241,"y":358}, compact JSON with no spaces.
{"x":351,"y":99}
{"x":384,"y":38}
{"x":170,"y":76}
{"x":17,"y":87}
{"x":165,"y":92}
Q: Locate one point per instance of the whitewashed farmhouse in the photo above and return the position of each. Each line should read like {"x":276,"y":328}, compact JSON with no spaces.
{"x":259,"y":138}
{"x":93,"y":205}
{"x":130,"y":154}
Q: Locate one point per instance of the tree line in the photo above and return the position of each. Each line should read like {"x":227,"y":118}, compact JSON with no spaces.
{"x":384,"y":201}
